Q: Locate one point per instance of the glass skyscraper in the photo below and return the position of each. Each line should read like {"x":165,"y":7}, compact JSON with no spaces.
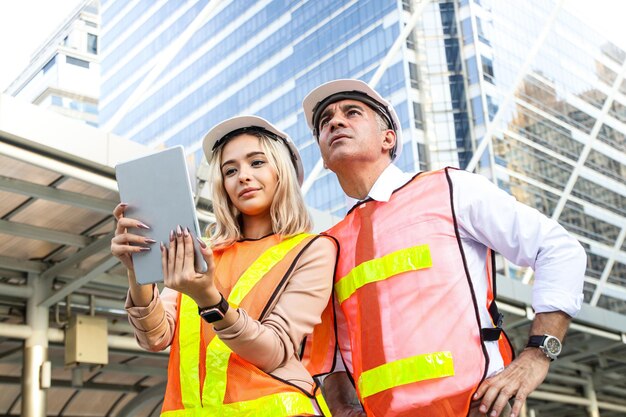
{"x":245,"y":57}
{"x":521,"y":91}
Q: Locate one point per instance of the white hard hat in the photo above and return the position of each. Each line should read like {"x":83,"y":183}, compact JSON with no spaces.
{"x":350,"y":89}
{"x":229,"y":128}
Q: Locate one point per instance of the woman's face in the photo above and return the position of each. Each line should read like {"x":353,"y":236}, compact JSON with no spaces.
{"x":249,"y":179}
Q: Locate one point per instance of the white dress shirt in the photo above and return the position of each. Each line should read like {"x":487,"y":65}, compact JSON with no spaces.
{"x":488,"y":217}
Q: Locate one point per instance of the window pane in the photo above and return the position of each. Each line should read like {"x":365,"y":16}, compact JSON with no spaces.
{"x":487,"y":69}
{"x":92,"y":43}
{"x":77,"y":62}
{"x":472,"y":70}
{"x":477,"y":111}
{"x":413,"y":74}
{"x":417,"y":115}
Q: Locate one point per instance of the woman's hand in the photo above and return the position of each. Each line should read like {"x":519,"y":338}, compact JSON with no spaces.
{"x":121,"y":246}
{"x":179,"y":268}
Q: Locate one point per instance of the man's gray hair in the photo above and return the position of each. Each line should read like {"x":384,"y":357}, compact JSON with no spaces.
{"x":384,"y":125}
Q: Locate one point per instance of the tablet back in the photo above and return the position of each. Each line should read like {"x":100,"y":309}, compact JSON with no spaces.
{"x":158,"y":192}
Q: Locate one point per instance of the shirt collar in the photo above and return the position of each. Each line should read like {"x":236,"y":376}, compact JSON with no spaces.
{"x":389,"y":180}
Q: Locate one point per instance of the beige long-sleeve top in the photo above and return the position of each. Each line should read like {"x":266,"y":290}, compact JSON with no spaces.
{"x":271,"y":344}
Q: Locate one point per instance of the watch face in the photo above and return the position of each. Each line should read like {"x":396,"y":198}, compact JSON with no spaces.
{"x":553,"y":346}
{"x":212,"y":315}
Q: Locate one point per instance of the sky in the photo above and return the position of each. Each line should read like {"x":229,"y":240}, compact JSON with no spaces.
{"x":26,"y":24}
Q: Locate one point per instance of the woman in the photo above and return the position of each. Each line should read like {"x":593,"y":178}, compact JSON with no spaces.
{"x":240,"y":356}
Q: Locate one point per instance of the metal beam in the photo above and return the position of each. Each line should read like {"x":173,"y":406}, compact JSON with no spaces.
{"x":37,"y":159}
{"x":19,"y":291}
{"x":23,"y":331}
{"x":103,"y":266}
{"x":29,"y":201}
{"x":11,"y":352}
{"x":138,"y":403}
{"x":13,"y":356}
{"x":41,"y":233}
{"x":14,"y":185}
{"x":559,"y":398}
{"x":92,"y":386}
{"x":134,"y":370}
{"x":22,"y":265}
{"x":95,"y":246}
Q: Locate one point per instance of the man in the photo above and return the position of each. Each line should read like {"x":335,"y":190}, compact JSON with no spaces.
{"x":417,"y":325}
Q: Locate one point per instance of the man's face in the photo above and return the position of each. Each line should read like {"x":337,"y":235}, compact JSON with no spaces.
{"x":349,"y":132}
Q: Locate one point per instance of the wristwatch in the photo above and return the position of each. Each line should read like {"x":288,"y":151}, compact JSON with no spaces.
{"x":214,"y":313}
{"x":548,"y":344}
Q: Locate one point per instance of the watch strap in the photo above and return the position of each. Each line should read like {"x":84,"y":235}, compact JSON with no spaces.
{"x":536,"y":341}
{"x":215,"y":312}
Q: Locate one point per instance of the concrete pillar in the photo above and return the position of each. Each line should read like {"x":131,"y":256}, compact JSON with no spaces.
{"x":35,"y":352}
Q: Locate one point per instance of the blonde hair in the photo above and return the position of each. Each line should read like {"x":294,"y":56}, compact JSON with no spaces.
{"x":288,"y":211}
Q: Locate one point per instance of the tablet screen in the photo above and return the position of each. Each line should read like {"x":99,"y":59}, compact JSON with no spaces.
{"x":158,"y":192}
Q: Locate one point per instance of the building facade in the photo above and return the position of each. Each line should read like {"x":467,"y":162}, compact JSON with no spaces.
{"x":170,"y":70}
{"x":64,"y":73}
{"x":522,"y":92}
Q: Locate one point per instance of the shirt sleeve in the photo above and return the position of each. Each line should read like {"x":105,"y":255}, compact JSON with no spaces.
{"x":154,"y":324}
{"x":270,"y":343}
{"x":525,"y":237}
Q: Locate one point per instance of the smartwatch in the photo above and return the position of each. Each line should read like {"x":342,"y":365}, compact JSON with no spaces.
{"x":548,"y":344}
{"x":214,"y":313}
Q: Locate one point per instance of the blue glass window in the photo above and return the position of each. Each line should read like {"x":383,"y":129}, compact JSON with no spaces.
{"x":92,"y":43}
{"x":492,"y":107}
{"x":487,"y":69}
{"x":447,"y":18}
{"x":77,"y":62}
{"x":472,"y":70}
{"x":477,"y":111}
{"x":418,"y":117}
{"x":468,"y":34}
{"x":414,"y":75}
{"x":453,"y":58}
{"x":482,"y":36}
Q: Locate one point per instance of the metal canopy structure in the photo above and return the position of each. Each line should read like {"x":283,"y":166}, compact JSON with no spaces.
{"x":589,"y":378}
{"x":57,"y":191}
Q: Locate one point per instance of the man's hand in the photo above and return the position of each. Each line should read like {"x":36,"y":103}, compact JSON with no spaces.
{"x":517,"y":380}
{"x":341,"y":396}
{"x":525,"y":373}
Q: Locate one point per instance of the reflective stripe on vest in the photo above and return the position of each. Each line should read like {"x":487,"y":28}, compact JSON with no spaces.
{"x":218,"y":356}
{"x":406,"y":371}
{"x":260,"y":267}
{"x":410,"y":259}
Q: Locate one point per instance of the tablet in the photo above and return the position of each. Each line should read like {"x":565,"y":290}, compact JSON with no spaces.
{"x":158,"y":192}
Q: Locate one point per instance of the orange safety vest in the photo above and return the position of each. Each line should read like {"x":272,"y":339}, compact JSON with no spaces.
{"x":205,"y":378}
{"x":405,"y":291}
